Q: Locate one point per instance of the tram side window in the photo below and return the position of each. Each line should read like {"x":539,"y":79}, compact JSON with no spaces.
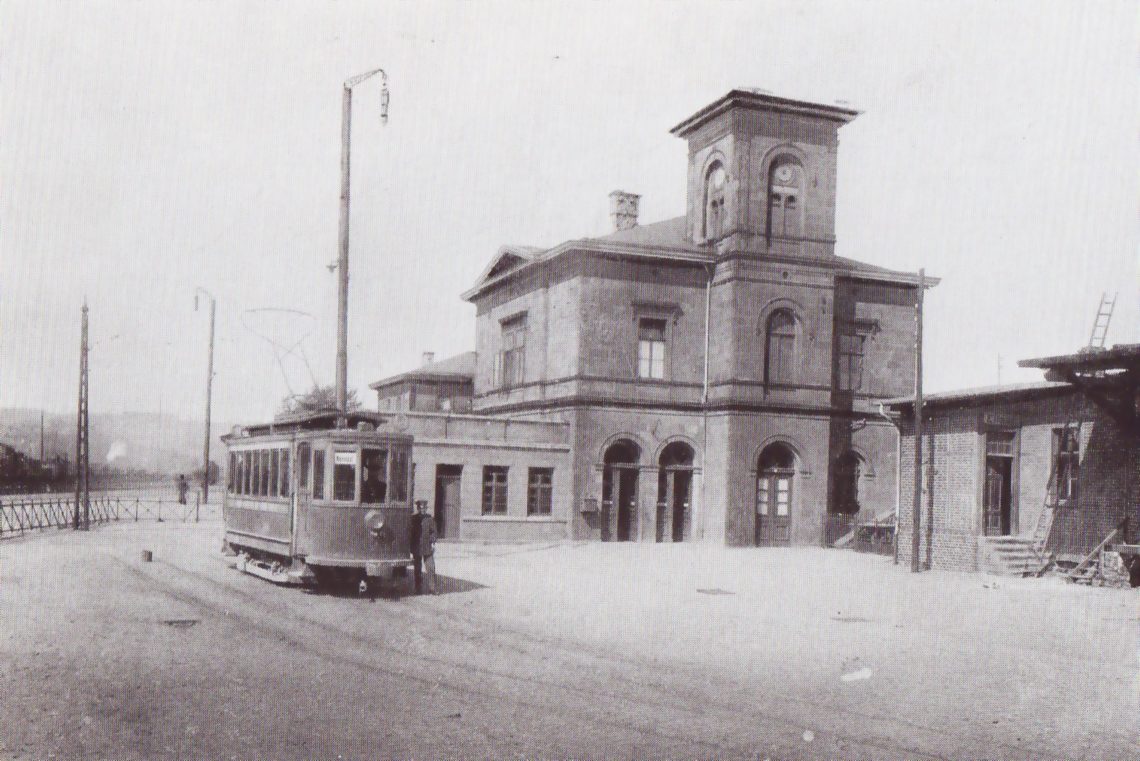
{"x":344,"y":476}
{"x":274,"y":464}
{"x":284,"y":472}
{"x":399,"y":475}
{"x":230,"y":476}
{"x":303,"y":467}
{"x":251,"y":468}
{"x":373,"y":483}
{"x":318,"y":474}
{"x":264,"y":473}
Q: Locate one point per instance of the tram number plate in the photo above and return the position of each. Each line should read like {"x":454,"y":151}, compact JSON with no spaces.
{"x":375,"y":569}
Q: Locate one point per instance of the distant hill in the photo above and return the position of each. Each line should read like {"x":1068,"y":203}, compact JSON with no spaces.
{"x":129,"y":440}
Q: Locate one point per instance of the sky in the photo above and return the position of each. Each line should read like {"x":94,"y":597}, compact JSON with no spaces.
{"x":149,"y":149}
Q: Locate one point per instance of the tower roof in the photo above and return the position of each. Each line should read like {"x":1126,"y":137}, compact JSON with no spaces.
{"x":759,"y":100}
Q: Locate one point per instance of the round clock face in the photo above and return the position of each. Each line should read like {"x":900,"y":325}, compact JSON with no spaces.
{"x":784,"y":173}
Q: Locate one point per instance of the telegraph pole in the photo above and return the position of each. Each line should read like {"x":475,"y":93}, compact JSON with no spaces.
{"x":209,"y":396}
{"x":342,"y":259}
{"x":82,"y":479}
{"x":917,"y":519}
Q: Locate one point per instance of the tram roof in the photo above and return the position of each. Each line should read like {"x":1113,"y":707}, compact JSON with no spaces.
{"x":310,"y":420}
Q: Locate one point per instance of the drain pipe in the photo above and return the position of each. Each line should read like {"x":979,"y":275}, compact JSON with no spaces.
{"x":711,"y":270}
{"x":898,"y":474}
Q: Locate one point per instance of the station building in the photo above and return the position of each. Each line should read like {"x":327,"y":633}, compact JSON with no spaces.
{"x":1015,"y":475}
{"x":713,"y":377}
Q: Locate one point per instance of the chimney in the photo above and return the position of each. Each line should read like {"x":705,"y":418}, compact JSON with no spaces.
{"x":623,"y":209}
{"x":429,"y":357}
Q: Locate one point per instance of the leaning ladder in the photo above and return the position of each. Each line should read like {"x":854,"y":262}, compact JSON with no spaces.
{"x":1100,"y":322}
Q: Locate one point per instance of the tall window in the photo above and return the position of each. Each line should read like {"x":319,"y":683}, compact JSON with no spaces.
{"x":851,"y":360}
{"x":715,"y":182}
{"x":651,"y":348}
{"x":284,"y":474}
{"x":538,"y":491}
{"x":344,"y":476}
{"x":303,"y":461}
{"x":785,"y":197}
{"x":511,"y":366}
{"x":1067,"y":464}
{"x":318,"y":474}
{"x":780,"y":352}
{"x":494,"y":490}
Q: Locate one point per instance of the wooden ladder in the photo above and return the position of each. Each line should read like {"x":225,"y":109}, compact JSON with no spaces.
{"x":1086,"y":571}
{"x":1101,"y":321}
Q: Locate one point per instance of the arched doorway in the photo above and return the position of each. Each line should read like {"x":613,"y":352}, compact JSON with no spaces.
{"x":775,"y":472}
{"x":619,"y":491}
{"x":675,"y":493}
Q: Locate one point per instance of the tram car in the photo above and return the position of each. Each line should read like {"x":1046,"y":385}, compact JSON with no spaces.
{"x":311,"y":502}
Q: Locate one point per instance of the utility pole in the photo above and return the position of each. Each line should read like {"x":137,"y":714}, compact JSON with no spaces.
{"x":82,"y":479}
{"x":917,"y":518}
{"x":342,"y":260}
{"x":209,"y":395}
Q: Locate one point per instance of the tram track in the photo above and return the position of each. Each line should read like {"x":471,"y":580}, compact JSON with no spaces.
{"x":499,"y":644}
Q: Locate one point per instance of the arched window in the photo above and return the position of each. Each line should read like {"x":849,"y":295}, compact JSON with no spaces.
{"x":715,"y":181}
{"x":785,"y":198}
{"x":780,"y":350}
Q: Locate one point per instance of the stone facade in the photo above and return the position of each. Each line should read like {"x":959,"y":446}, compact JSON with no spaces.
{"x":706,"y":362}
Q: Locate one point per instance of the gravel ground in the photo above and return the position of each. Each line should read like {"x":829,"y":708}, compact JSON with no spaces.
{"x":622,"y":651}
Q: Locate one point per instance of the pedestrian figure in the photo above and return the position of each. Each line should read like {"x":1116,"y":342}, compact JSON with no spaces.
{"x":415,"y":526}
{"x":427,"y":548}
{"x":183,"y":487}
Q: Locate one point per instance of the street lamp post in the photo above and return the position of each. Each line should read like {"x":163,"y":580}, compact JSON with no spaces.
{"x":209,"y":393}
{"x":342,"y":261}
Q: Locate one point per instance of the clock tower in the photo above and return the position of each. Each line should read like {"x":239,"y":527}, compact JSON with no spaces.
{"x":762,"y":173}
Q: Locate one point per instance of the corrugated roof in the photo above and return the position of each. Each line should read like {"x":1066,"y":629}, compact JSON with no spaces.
{"x":461,"y":366}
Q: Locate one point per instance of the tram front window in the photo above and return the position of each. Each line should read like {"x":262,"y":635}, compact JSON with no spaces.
{"x":373,"y":487}
{"x":344,"y":476}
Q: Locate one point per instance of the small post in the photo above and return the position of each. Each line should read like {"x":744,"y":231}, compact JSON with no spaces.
{"x":196,"y":502}
{"x":916,"y":538}
{"x":136,"y":509}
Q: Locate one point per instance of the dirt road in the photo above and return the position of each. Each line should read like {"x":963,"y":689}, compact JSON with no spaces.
{"x":565,"y":651}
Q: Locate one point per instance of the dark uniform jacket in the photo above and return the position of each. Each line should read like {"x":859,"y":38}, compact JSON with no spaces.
{"x":427,"y":536}
{"x":414,"y":528}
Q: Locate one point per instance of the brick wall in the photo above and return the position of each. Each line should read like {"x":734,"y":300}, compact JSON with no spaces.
{"x":954,"y":455}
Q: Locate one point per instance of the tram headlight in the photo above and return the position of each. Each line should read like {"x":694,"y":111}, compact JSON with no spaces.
{"x":381,"y":533}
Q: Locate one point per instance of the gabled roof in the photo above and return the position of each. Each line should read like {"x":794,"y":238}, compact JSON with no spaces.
{"x":507,"y":259}
{"x":667,"y":239}
{"x":460,"y":367}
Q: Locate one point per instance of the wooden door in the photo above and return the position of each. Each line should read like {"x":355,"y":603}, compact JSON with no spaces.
{"x":997,"y":496}
{"x":774,"y":508}
{"x":447,"y":508}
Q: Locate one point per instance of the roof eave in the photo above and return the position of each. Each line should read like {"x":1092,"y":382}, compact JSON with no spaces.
{"x":761,"y":101}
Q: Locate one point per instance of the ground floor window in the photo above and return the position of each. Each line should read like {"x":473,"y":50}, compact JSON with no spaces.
{"x":494,"y":490}
{"x":538,"y":492}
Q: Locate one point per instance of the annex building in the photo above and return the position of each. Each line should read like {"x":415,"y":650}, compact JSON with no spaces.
{"x":1018,"y":476}
{"x":713,"y":377}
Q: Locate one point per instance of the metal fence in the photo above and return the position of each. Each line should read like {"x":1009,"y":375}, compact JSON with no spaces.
{"x":20,"y":513}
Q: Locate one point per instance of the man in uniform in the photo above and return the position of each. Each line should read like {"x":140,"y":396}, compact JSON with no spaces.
{"x":415,"y":528}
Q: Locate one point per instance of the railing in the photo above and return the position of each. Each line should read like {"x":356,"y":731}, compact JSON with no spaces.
{"x":20,"y":513}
